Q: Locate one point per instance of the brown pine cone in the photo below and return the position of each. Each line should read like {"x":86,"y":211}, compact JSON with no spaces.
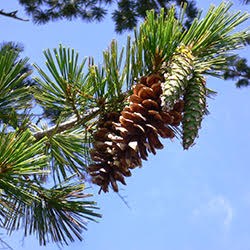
{"x":124,"y":139}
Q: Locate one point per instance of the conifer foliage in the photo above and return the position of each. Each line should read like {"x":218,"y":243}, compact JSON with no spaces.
{"x":109,"y":118}
{"x":169,"y":96}
{"x":126,"y":14}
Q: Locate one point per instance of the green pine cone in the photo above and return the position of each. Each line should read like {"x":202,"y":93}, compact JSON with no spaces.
{"x":178,"y":73}
{"x":194,"y":110}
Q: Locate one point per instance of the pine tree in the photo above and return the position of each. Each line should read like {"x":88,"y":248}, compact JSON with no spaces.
{"x":126,"y":15}
{"x":109,"y":117}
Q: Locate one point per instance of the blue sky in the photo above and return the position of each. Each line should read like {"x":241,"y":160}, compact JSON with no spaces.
{"x":180,"y":200}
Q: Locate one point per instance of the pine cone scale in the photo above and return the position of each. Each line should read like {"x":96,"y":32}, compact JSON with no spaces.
{"x":124,"y":139}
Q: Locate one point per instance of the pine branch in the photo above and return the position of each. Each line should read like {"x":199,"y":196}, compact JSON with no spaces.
{"x":72,"y":122}
{"x":12,"y":14}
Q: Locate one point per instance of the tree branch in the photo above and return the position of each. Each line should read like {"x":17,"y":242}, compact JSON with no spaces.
{"x":73,"y":121}
{"x":12,"y":14}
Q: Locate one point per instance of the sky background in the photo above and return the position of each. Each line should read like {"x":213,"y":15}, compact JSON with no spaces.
{"x":180,"y":200}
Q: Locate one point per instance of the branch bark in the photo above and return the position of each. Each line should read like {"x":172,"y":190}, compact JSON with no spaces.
{"x":71,"y":123}
{"x":12,"y":14}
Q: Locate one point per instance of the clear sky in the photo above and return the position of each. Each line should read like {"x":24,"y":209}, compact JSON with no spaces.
{"x":180,"y":200}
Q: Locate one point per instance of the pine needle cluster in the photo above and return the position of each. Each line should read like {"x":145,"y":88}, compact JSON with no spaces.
{"x":100,"y":121}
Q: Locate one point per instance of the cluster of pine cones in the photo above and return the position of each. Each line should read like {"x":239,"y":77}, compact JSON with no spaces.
{"x":124,"y":139}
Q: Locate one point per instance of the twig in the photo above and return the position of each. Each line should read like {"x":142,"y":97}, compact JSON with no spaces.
{"x":124,"y":200}
{"x":12,"y":14}
{"x":66,"y":125}
{"x":57,"y":128}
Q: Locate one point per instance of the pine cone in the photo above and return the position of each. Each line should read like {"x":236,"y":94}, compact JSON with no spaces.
{"x":195,"y":109}
{"x":123,"y":140}
{"x":177,"y":72}
{"x":107,"y":147}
